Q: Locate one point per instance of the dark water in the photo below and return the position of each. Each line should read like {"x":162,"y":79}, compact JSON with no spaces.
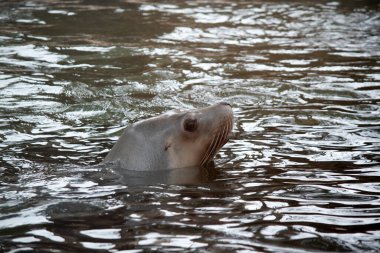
{"x":301,"y":174}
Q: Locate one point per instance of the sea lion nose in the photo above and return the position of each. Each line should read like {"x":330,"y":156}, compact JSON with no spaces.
{"x":225,"y":103}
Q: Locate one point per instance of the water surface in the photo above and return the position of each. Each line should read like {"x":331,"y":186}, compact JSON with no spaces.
{"x":301,"y":174}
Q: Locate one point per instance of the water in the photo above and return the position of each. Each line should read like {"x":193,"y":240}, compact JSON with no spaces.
{"x":301,"y":174}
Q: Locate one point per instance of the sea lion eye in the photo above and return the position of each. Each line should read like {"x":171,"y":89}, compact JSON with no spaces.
{"x":190,"y":125}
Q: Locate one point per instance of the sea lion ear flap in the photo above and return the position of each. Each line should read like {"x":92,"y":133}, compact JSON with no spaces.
{"x":168,"y":143}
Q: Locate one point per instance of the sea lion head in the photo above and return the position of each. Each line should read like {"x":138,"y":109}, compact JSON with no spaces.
{"x":176,"y":139}
{"x":199,"y":135}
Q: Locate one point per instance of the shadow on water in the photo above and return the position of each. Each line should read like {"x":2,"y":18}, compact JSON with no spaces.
{"x":74,"y":200}
{"x":111,"y":172}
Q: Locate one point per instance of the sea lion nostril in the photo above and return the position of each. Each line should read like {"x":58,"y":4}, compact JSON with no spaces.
{"x":225,"y":103}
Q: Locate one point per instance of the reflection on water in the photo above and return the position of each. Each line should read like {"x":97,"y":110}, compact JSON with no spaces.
{"x":301,"y":173}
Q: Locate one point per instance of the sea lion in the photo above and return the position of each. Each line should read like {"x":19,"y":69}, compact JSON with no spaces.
{"x":176,"y":139}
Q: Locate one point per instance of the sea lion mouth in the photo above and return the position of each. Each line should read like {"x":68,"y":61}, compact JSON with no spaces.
{"x":220,"y":136}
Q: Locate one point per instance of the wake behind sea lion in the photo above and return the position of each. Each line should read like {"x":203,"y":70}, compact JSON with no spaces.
{"x":176,"y":139}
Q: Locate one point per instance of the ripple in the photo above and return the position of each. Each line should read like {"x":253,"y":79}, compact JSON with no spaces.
{"x":103,"y":233}
{"x":365,"y":187}
{"x":35,"y":53}
{"x":24,"y":218}
{"x":220,"y":35}
{"x":98,"y":245}
{"x":61,"y":12}
{"x":47,"y":234}
{"x":301,"y":169}
{"x":92,"y":49}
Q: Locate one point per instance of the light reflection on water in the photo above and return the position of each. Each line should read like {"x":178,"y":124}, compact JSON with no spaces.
{"x":300,"y":174}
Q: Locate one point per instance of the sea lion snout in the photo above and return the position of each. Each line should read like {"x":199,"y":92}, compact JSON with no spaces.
{"x":220,"y":124}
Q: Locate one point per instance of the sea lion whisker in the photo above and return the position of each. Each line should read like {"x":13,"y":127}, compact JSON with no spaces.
{"x":216,"y":143}
{"x":225,"y":133}
{"x":229,"y":128}
{"x":220,"y":139}
{"x":209,"y":149}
